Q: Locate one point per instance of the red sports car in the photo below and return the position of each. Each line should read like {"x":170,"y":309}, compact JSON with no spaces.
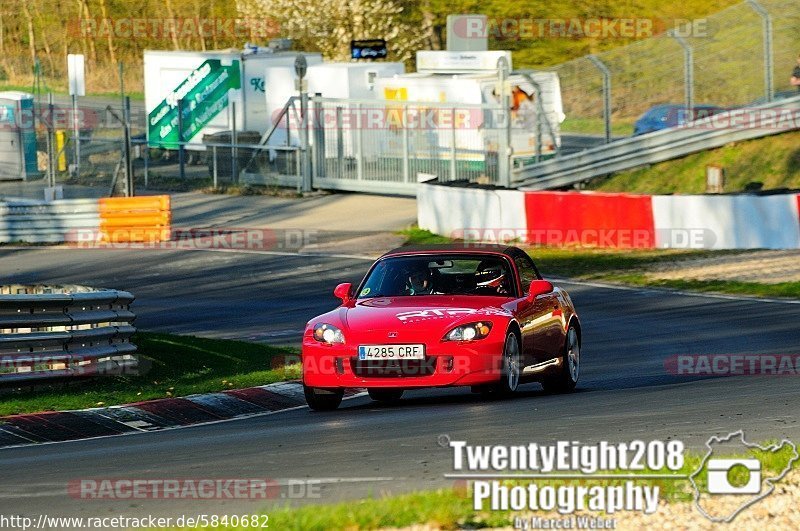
{"x":448,"y":315}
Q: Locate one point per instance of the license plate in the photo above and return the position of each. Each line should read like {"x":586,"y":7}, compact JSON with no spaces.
{"x":391,"y":352}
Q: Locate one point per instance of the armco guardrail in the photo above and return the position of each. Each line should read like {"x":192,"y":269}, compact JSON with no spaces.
{"x":112,"y":219}
{"x":53,"y":222}
{"x":659,"y":146}
{"x":64,"y":331}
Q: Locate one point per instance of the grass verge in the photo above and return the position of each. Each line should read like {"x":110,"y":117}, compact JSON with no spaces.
{"x":416,"y":236}
{"x":771,"y":162}
{"x":61,"y":90}
{"x":596,"y":126}
{"x":628,"y":266}
{"x":170,"y":365}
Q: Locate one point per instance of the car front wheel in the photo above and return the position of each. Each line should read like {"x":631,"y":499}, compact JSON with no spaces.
{"x":320,"y":399}
{"x":511,"y":367}
{"x":567,"y":377}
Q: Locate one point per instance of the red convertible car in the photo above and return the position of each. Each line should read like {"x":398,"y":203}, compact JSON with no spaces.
{"x":448,"y":315}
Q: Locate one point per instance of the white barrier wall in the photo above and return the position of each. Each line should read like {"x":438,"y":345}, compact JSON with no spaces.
{"x":449,"y":210}
{"x":729,"y":221}
{"x":677,"y":221}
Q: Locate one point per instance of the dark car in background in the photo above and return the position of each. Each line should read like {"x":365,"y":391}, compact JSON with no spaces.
{"x":669,"y":115}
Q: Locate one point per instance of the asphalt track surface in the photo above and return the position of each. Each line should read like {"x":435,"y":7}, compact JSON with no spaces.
{"x":365,"y":449}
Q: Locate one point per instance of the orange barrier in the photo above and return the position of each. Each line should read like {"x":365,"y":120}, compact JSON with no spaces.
{"x":135,"y":219}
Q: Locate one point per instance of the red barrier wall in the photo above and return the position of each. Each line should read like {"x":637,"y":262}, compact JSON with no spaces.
{"x":590,"y":219}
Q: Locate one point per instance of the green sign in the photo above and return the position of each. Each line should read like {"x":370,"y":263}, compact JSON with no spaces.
{"x":204,"y":94}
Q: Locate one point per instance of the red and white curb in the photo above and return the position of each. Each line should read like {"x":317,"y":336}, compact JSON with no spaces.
{"x":152,"y":415}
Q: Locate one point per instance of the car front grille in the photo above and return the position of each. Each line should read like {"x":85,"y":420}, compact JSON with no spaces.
{"x":393,"y":368}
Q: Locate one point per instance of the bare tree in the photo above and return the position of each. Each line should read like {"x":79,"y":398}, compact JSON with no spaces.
{"x":45,"y":41}
{"x":83,"y":13}
{"x":338,"y":22}
{"x":31,"y":32}
{"x":109,"y":34}
{"x":173,"y":33}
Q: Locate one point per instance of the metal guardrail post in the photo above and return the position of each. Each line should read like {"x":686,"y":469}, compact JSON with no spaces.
{"x":453,"y":173}
{"x":234,"y":158}
{"x":766,"y":22}
{"x":406,"y":150}
{"x":76,"y":135}
{"x":121,"y":74}
{"x":51,"y":143}
{"x":688,"y":70}
{"x":298,"y":171}
{"x":304,"y":142}
{"x":359,"y":144}
{"x":214,"y":163}
{"x":606,"y":73}
{"x":318,"y":125}
{"x":339,"y":142}
{"x":504,"y":143}
{"x":146,"y":151}
{"x":129,"y":184}
{"x":181,"y":147}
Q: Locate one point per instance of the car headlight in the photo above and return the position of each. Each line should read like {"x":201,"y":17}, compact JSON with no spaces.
{"x":327,"y":333}
{"x":469,"y":332}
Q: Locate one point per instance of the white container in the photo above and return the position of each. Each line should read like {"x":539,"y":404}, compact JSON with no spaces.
{"x":482,"y":88}
{"x":356,"y":81}
{"x":165,"y":71}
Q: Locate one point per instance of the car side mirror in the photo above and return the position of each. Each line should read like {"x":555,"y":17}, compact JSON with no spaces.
{"x":539,"y":287}
{"x":343,"y":291}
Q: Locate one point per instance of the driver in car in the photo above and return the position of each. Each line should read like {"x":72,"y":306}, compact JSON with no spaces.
{"x":490,"y":279}
{"x":419,"y":281}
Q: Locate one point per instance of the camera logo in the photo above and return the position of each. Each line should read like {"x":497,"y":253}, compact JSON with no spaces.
{"x":725,"y":486}
{"x":724,"y":476}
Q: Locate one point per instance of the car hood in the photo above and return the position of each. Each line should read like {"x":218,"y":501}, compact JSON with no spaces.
{"x":426,"y":312}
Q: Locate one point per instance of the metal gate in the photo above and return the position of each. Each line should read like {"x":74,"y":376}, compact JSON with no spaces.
{"x":380,"y":146}
{"x":386,"y":146}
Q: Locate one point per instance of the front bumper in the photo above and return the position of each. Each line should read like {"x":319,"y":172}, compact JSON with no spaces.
{"x":446,"y":364}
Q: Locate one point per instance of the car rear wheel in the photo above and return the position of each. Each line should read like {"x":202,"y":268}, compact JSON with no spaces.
{"x":385,"y":395}
{"x":511,"y":367}
{"x":320,"y":399}
{"x":567,"y":376}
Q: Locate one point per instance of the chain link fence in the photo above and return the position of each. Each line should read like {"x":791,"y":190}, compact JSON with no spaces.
{"x":80,"y":147}
{"x":724,"y":60}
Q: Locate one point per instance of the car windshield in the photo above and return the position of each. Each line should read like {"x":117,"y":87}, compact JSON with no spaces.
{"x":439,"y":275}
